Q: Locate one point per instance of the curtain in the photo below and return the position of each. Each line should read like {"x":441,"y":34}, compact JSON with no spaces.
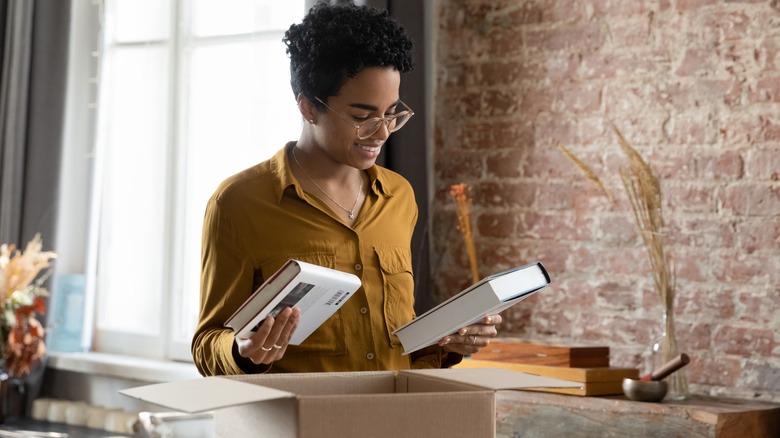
{"x":407,"y":149}
{"x":33,"y":65}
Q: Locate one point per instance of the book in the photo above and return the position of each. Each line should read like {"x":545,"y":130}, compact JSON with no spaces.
{"x":595,"y":381}
{"x":490,"y":295}
{"x":318,"y":291}
{"x":508,"y":350}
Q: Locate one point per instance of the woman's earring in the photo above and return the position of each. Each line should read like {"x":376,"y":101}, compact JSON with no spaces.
{"x":311,"y":121}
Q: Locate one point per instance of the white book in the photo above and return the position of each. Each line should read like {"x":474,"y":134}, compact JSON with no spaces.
{"x":318,"y":291}
{"x":489,"y":296}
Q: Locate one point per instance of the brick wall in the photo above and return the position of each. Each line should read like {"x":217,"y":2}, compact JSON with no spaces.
{"x":694,"y":85}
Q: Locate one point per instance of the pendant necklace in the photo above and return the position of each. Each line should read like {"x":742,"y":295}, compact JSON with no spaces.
{"x":360,"y":189}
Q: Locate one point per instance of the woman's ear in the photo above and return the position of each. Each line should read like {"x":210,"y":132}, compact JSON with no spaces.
{"x":307,"y":108}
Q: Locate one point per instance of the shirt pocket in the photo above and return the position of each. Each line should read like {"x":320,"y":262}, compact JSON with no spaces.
{"x":330,"y":338}
{"x":398,"y":286}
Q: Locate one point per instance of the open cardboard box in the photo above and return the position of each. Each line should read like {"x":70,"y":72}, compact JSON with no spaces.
{"x":445,"y":402}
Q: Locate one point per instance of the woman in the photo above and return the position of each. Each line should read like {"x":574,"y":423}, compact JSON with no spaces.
{"x":323,"y":200}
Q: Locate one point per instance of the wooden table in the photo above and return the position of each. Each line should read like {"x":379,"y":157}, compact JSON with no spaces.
{"x":535,"y":414}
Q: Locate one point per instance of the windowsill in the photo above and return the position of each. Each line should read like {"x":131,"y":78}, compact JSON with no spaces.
{"x":124,"y":367}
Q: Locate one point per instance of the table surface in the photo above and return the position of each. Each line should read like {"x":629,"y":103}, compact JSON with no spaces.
{"x":27,"y":427}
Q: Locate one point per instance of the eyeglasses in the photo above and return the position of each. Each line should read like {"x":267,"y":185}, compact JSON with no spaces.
{"x":369,"y":127}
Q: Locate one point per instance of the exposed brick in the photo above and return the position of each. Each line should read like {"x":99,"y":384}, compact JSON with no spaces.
{"x":706,"y":302}
{"x":752,"y":308}
{"x":505,"y":194}
{"x":704,"y":164}
{"x":631,"y":33}
{"x":698,"y":62}
{"x":759,"y":234}
{"x":469,"y":165}
{"x":505,"y":164}
{"x":763,"y":164}
{"x":559,"y":227}
{"x":728,"y":24}
{"x":745,"y":270}
{"x":584,"y":99}
{"x":538,"y":100}
{"x":586,"y":37}
{"x":720,"y":371}
{"x":608,"y":65}
{"x":701,"y":233}
{"x":616,"y":229}
{"x":770,"y":128}
{"x":752,"y":200}
{"x":767,"y":377}
{"x":549,"y":131}
{"x":696,"y":337}
{"x":693,"y":86}
{"x":498,"y":135}
{"x":745,"y":341}
{"x":687,"y":198}
{"x":611,"y":9}
{"x":491,"y":224}
{"x":685,"y":5}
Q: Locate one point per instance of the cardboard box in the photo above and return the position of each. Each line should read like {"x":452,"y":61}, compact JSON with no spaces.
{"x":446,"y":402}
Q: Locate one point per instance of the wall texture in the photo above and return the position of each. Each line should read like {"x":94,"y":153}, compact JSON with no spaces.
{"x":694,"y":85}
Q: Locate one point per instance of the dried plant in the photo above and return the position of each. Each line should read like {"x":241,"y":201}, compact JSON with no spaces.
{"x":587,"y":171}
{"x":460,"y":193}
{"x":21,"y":298}
{"x":644,"y":193}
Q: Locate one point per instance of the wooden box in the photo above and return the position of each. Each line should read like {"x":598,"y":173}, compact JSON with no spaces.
{"x":595,"y":381}
{"x":540,"y":354}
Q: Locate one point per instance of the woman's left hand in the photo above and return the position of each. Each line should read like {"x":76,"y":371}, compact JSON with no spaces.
{"x":472,"y":338}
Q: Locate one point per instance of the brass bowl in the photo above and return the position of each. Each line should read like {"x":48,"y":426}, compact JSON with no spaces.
{"x":650,"y":391}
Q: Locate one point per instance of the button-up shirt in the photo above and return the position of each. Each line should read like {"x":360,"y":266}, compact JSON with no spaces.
{"x":261,"y":217}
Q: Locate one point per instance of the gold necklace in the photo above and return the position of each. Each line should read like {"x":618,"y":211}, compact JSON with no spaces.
{"x":360,"y":189}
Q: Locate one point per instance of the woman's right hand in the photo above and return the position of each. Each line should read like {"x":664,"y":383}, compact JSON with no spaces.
{"x":270,"y":341}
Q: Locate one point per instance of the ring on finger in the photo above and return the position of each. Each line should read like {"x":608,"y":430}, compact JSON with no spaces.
{"x":473,"y":339}
{"x":277,"y":346}
{"x":265,"y":349}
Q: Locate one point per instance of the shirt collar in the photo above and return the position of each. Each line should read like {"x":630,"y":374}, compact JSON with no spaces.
{"x":283,"y":177}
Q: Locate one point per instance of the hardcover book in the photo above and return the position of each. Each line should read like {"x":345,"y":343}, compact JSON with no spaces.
{"x":318,"y":291}
{"x":489,"y":296}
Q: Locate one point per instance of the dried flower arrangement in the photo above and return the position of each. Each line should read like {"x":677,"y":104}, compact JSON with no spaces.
{"x":460,"y":193}
{"x":22,"y":298}
{"x":644,"y":194}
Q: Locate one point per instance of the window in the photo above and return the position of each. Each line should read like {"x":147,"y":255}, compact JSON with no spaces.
{"x":180,"y":108}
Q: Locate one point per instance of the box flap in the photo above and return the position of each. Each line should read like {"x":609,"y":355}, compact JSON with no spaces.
{"x":205,"y":394}
{"x":495,"y":378}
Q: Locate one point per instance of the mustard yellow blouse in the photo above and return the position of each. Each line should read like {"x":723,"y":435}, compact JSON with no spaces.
{"x":259,"y":218}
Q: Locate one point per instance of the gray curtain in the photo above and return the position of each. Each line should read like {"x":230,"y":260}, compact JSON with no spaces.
{"x":33,"y":66}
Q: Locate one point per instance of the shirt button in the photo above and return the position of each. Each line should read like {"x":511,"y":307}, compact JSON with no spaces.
{"x":358,"y":267}
{"x":363,"y":310}
{"x":370,"y":356}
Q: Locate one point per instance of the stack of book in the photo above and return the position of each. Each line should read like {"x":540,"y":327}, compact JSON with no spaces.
{"x":588,"y":365}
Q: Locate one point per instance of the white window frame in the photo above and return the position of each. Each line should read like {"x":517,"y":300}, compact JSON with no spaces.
{"x":77,"y":239}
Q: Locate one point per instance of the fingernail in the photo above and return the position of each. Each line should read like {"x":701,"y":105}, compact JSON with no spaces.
{"x":445,"y":341}
{"x":490,"y":319}
{"x":462,"y":331}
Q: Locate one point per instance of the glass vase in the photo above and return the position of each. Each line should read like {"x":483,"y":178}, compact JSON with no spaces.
{"x":663,"y":350}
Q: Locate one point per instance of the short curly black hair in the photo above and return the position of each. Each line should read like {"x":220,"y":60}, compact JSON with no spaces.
{"x":335,"y":42}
